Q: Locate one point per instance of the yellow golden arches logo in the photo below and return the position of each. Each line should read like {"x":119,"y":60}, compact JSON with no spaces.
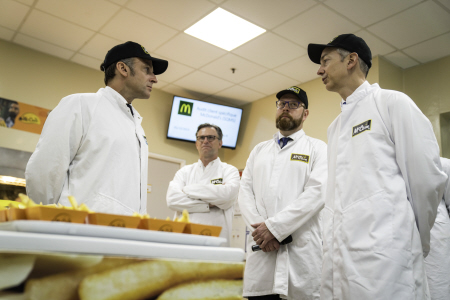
{"x":30,"y":118}
{"x":166,"y":228}
{"x":117,"y":223}
{"x":185,"y":108}
{"x":206,"y":232}
{"x":62,"y":217}
{"x":146,"y":52}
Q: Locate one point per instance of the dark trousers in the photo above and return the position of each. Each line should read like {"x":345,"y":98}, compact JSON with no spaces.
{"x":265,"y":297}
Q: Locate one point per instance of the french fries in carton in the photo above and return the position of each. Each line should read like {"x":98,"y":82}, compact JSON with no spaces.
{"x":177,"y":225}
{"x":199,"y":229}
{"x":113,"y":220}
{"x":33,"y":211}
{"x":16,"y":211}
{"x":56,"y":214}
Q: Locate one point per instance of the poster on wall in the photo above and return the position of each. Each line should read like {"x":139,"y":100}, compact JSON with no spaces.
{"x":21,"y":116}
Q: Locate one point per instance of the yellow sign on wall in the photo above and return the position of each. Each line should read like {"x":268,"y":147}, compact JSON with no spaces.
{"x":21,"y":116}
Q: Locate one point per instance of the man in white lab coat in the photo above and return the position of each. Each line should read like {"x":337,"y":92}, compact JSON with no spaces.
{"x":384,"y":183}
{"x":437,"y":263}
{"x":207,"y":189}
{"x":282,"y":193}
{"x":93,"y":146}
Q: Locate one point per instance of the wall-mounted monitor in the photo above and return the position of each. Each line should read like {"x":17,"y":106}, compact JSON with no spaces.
{"x":187,"y":114}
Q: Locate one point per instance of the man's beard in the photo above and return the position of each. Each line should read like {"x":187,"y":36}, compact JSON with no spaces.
{"x":288,"y":123}
{"x":12,"y":115}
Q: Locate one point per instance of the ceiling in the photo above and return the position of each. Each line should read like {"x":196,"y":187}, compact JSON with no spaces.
{"x":406,"y":32}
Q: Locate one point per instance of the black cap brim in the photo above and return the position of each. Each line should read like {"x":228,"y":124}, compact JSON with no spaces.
{"x":159,"y":65}
{"x":315,"y":52}
{"x":284,"y":92}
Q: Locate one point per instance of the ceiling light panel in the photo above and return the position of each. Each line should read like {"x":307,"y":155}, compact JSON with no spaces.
{"x":224,"y":30}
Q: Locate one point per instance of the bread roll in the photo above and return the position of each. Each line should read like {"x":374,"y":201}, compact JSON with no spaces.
{"x":64,"y":286}
{"x":134,"y":281}
{"x":218,"y":289}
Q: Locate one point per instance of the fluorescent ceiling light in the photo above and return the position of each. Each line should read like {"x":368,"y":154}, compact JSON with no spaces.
{"x":224,"y":30}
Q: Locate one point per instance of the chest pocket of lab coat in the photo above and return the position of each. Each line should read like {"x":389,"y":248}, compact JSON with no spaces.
{"x":371,"y":150}
{"x":368,"y":223}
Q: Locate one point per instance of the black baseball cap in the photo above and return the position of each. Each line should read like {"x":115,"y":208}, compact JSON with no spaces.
{"x":132,"y":49}
{"x":349,"y":42}
{"x":295,"y":90}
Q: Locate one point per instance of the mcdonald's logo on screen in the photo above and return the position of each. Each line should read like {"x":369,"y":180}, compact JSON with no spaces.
{"x":185,"y":108}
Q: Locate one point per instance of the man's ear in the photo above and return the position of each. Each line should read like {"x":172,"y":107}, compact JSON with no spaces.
{"x":122,"y":68}
{"x":352,"y":60}
{"x":305,"y":114}
{"x":220,"y":143}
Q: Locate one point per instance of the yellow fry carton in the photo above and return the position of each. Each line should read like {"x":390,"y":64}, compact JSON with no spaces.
{"x":113,"y":220}
{"x":3,"y":215}
{"x":201,"y":229}
{"x":162,"y":225}
{"x":55,"y":214}
{"x":15,"y":213}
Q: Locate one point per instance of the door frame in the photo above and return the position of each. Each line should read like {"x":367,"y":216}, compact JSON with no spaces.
{"x":180,"y":161}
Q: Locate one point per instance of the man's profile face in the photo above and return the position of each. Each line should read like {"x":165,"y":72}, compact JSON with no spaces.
{"x":14,"y":110}
{"x":141,"y":83}
{"x":206,"y":148}
{"x":289,"y":119}
{"x":332,"y":69}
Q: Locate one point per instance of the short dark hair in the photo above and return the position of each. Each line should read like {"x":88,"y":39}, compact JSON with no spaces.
{"x":110,"y":71}
{"x":362,"y":65}
{"x":206,"y":125}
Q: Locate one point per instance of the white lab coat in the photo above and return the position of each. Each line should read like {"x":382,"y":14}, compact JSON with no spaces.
{"x":384,"y":185}
{"x":195,"y":187}
{"x":287,"y":194}
{"x":437,"y":263}
{"x":91,"y":147}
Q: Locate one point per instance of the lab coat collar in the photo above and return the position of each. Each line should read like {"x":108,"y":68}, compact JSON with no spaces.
{"x":361,"y":92}
{"x":295,"y":136}
{"x":112,"y":93}
{"x":211,"y":163}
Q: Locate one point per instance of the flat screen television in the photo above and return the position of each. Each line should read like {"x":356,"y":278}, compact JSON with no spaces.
{"x":187,"y":114}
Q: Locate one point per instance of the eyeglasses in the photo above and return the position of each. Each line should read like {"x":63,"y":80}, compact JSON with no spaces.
{"x":291,"y":104}
{"x":210,"y":138}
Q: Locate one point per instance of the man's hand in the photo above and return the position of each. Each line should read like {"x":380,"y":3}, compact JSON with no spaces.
{"x":262,"y":234}
{"x":272,"y":245}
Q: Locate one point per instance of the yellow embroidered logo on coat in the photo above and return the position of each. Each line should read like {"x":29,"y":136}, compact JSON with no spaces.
{"x":361,"y":127}
{"x":300,"y":157}
{"x":217,"y":181}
